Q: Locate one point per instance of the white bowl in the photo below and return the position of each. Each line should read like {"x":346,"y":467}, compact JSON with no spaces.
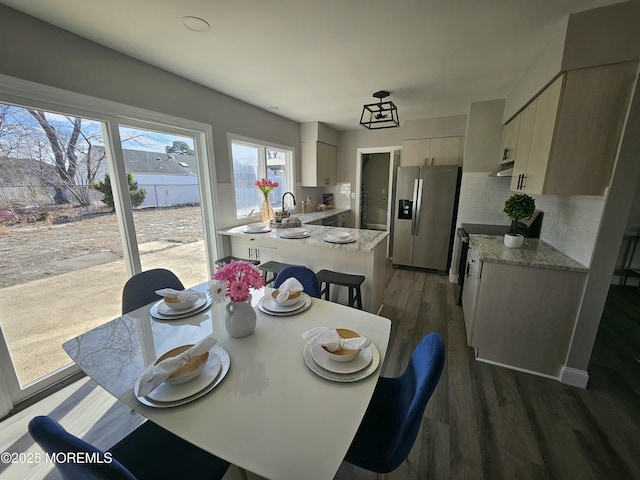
{"x":513,"y":240}
{"x":292,"y":300}
{"x":189,"y":371}
{"x":175,"y":304}
{"x":338,"y":236}
{"x":343,"y":355}
{"x":255,"y":227}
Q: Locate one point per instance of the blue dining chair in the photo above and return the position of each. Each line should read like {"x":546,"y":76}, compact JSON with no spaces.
{"x":391,"y":423}
{"x":141,"y":289}
{"x":149,"y":452}
{"x":306,"y":276}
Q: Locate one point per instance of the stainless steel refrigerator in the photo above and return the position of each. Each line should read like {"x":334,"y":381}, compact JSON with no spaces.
{"x":426,"y":200}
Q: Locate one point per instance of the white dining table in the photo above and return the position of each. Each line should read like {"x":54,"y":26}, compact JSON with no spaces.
{"x":271,"y":414}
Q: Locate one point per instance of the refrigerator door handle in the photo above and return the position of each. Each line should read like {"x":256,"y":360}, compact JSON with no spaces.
{"x":415,"y":206}
{"x":418,"y":204}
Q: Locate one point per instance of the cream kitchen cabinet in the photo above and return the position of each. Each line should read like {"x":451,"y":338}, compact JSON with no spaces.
{"x":254,"y":248}
{"x":319,"y":164}
{"x":432,"y":151}
{"x":510,"y":140}
{"x":518,"y":315}
{"x":571,"y":142}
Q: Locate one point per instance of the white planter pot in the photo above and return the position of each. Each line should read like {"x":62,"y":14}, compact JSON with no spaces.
{"x":513,"y":240}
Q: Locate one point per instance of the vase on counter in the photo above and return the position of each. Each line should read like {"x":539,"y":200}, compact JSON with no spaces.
{"x":266,"y":211}
{"x":513,"y":240}
{"x":240,"y":318}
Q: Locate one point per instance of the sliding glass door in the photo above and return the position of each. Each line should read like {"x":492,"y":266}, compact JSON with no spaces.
{"x":66,"y":254}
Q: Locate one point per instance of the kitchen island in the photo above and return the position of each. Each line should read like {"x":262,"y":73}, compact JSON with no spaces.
{"x":520,"y":304}
{"x":366,"y":256}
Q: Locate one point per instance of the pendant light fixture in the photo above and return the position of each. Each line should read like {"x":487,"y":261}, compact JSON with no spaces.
{"x":380,"y":115}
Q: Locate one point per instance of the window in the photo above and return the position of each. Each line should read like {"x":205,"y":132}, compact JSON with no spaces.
{"x":253,"y":160}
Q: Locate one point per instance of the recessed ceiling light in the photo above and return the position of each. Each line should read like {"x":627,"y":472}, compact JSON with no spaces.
{"x":196,"y":24}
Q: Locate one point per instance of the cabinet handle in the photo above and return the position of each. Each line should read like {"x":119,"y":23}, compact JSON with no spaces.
{"x":257,"y":251}
{"x":249,"y":248}
{"x":468,"y":269}
{"x":505,"y":154}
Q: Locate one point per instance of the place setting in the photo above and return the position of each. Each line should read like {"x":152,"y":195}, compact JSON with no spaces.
{"x":178,"y":304}
{"x":294,"y":233}
{"x":339,"y":237}
{"x":288,"y":299}
{"x":339,"y":354}
{"x":183,"y":374}
{"x":256,"y":228}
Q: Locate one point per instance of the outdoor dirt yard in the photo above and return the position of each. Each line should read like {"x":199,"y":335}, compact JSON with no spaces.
{"x":71,"y":238}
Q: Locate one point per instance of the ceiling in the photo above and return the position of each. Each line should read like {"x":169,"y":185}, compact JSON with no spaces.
{"x":322,"y":60}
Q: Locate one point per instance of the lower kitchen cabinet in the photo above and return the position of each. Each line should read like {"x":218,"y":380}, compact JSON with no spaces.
{"x":521,"y":317}
{"x":252,"y":248}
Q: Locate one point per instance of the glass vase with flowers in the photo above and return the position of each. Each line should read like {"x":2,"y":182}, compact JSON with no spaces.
{"x":266,"y":186}
{"x":235,"y":281}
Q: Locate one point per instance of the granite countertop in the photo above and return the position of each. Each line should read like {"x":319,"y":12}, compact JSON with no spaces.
{"x":366,"y":240}
{"x":533,"y":253}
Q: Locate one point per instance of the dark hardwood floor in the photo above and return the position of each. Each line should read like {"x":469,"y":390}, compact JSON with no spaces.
{"x":483,"y":422}
{"x":491,"y":423}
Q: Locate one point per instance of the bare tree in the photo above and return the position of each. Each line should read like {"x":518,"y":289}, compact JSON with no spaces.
{"x":66,"y":162}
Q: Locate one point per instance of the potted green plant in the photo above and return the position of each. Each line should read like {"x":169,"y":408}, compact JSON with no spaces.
{"x":518,"y":206}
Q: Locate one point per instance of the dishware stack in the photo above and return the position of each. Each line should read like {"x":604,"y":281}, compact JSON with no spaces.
{"x":339,"y":354}
{"x":182,"y":374}
{"x":289,"y":299}
{"x":177,"y":304}
{"x":294,"y":233}
{"x":256,"y":228}
{"x":339,"y":236}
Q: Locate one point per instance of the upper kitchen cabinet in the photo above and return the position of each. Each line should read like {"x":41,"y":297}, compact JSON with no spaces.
{"x":510,"y":140}
{"x":432,"y":151}
{"x":319,"y":164}
{"x":568,"y":135}
{"x":319,"y":155}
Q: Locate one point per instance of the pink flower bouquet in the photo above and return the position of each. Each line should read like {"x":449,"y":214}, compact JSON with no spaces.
{"x":235,"y":281}
{"x":266,"y":186}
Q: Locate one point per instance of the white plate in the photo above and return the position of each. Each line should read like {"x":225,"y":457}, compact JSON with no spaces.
{"x":341,"y":377}
{"x":172,"y":392}
{"x":270,"y":304}
{"x":224,"y":363}
{"x":299,"y":309}
{"x":163,"y":309}
{"x":257,"y":230}
{"x":334,"y":240}
{"x":181,"y":314}
{"x":295,"y":233}
{"x":337,"y":236}
{"x":362,"y":360}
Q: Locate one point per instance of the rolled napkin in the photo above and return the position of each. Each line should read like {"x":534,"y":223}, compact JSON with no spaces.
{"x":289,"y":286}
{"x":181,"y":295}
{"x":331,"y":339}
{"x":154,"y":375}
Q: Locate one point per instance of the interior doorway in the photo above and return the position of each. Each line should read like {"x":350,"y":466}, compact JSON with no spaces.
{"x":375,"y":189}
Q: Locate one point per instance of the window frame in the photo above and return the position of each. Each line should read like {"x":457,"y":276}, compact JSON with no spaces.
{"x":262,"y":146}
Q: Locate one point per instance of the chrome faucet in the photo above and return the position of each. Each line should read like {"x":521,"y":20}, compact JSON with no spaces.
{"x":292,"y":196}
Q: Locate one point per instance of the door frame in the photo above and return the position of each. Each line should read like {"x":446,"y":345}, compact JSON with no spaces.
{"x":22,"y":92}
{"x":394,"y":162}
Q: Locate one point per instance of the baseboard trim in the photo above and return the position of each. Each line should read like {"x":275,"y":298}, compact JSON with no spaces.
{"x":574,"y":377}
{"x":518,"y":369}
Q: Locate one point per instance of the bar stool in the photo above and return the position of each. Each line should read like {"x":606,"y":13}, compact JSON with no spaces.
{"x":226,"y":260}
{"x":328,"y":277}
{"x":274,"y":268}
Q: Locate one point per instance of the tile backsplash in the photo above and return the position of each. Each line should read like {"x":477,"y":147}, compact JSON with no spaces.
{"x":482,"y":199}
{"x":570,"y":223}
